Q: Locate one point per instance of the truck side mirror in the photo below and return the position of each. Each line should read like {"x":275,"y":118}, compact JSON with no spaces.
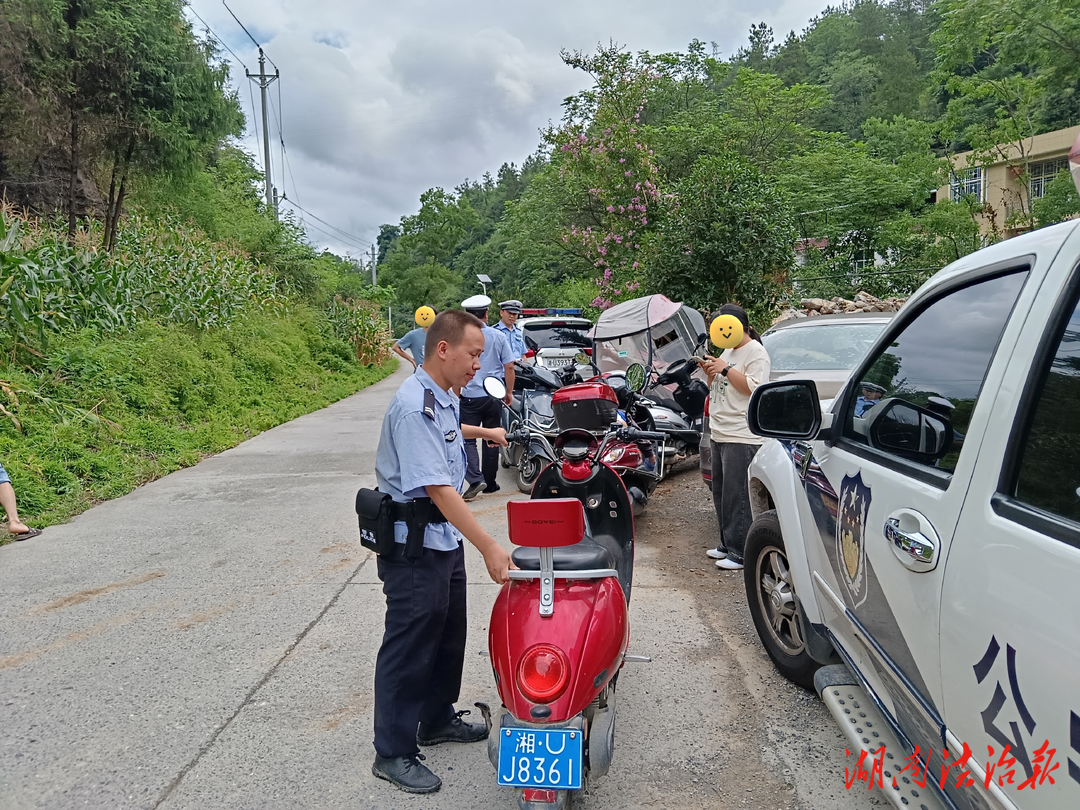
{"x":785,"y":410}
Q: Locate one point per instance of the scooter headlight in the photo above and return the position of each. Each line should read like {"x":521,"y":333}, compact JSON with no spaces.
{"x":543,"y":674}
{"x":613,"y":455}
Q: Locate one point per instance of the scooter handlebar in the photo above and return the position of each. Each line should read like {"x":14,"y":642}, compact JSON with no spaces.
{"x":519,"y":436}
{"x":634,"y":435}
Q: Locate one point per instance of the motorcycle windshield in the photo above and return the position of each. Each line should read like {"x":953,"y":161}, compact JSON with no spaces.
{"x":540,"y":404}
{"x":546,"y":377}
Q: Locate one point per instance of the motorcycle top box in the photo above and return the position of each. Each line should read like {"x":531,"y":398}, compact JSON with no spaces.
{"x":590,"y":406}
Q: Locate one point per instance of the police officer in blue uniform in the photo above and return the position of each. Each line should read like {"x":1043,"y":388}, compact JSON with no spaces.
{"x":420,"y":463}
{"x":477,"y":408}
{"x":509,"y":312}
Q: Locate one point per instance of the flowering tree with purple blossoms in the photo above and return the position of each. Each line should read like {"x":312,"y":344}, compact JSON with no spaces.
{"x":602,"y":152}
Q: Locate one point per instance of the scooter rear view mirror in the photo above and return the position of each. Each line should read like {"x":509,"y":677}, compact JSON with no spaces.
{"x":495,"y":387}
{"x":635,"y":377}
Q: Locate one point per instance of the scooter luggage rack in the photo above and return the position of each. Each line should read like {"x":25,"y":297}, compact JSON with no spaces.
{"x":547,"y":524}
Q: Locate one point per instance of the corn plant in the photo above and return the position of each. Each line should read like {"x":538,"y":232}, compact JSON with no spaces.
{"x":361,"y":324}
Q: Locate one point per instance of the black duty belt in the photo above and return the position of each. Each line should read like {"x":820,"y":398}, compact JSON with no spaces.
{"x":408,"y":511}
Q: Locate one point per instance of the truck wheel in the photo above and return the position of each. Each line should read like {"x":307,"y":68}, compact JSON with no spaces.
{"x":770,"y":594}
{"x":527,"y":471}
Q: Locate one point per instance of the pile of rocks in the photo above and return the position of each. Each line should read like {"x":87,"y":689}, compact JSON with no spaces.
{"x":863,"y":302}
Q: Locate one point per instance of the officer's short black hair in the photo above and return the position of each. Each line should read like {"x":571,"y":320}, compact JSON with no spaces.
{"x":449,"y":326}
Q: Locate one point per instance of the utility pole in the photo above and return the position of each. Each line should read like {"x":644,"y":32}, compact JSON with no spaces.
{"x":373,"y":277}
{"x":264,"y":80}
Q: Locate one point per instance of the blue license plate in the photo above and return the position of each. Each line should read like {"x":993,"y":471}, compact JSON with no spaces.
{"x":540,"y":758}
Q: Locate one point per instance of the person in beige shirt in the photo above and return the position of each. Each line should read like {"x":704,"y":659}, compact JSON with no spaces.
{"x":733,"y":376}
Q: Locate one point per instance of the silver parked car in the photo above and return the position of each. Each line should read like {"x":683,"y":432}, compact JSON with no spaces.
{"x":824,"y":348}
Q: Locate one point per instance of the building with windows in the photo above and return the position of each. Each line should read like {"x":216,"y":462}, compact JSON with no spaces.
{"x":1018,"y":176}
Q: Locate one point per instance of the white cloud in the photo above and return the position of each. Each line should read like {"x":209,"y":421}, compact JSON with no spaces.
{"x":380,"y":102}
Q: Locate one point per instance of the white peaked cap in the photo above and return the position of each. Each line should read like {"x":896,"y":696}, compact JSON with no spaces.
{"x":476,"y":302}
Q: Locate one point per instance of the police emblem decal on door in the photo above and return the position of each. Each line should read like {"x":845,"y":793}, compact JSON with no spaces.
{"x":851,"y":536}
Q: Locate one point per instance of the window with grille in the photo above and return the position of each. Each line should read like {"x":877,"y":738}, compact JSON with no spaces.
{"x":969,"y":181}
{"x":1040,"y":175}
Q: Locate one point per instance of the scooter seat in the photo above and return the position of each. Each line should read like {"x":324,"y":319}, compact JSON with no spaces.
{"x":583,"y":556}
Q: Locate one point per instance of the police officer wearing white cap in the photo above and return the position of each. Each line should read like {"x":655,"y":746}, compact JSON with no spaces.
{"x":477,"y":408}
{"x":509,"y":312}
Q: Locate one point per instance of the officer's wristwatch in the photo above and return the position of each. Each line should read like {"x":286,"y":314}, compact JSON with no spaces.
{"x":726,"y":369}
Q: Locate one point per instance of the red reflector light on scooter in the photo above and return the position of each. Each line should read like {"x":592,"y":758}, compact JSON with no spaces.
{"x":539,"y":795}
{"x":543,"y":674}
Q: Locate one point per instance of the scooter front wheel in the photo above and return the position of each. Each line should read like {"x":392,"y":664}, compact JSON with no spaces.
{"x":527,"y":472}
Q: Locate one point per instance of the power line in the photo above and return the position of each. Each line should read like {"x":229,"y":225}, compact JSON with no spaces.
{"x":254,"y":131}
{"x":257,"y":45}
{"x":333,"y":236}
{"x":344,"y":234}
{"x":220,"y":41}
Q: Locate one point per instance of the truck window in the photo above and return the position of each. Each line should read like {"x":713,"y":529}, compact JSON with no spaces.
{"x":1049,"y":475}
{"x":939,"y":360}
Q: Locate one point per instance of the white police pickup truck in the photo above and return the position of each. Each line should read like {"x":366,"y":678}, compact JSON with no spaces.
{"x":916,"y":557}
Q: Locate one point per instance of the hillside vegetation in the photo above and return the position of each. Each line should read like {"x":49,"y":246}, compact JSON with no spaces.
{"x":153,"y":310}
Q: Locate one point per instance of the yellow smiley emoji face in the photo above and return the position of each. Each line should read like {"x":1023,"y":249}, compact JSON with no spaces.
{"x":726,"y":332}
{"x":425,"y":316}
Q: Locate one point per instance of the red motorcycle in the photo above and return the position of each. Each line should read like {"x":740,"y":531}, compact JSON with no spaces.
{"x":559,"y":629}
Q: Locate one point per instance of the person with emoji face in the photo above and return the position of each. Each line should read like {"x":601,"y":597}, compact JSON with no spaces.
{"x":414,"y":340}
{"x":742,"y":366}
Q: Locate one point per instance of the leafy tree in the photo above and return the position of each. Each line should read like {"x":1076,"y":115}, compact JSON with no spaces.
{"x":1060,"y":202}
{"x":728,"y":237}
{"x":1009,"y":71}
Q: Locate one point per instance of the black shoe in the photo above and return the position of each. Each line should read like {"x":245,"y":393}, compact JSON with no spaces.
{"x":408,"y":773}
{"x":473,"y":491}
{"x":490,"y":488}
{"x":454,"y":730}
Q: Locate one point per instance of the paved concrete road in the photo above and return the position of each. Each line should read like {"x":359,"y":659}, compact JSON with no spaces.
{"x":208,"y":642}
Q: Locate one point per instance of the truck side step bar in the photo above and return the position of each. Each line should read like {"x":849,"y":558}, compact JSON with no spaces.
{"x":866,"y":730}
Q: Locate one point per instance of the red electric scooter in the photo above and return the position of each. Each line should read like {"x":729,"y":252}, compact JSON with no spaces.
{"x":559,"y":628}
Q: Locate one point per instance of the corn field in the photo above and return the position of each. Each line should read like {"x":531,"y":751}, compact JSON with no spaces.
{"x":172,"y":275}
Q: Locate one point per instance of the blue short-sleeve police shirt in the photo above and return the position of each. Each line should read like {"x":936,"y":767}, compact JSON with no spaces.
{"x":495,"y":356}
{"x":416,"y":451}
{"x":515,"y":337}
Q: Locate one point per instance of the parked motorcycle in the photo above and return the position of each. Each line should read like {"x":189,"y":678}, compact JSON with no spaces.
{"x":679,"y":415}
{"x":628,"y":458}
{"x":531,"y":407}
{"x":594,"y":406}
{"x":560,"y":629}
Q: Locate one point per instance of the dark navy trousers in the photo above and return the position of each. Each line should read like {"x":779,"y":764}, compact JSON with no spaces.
{"x":481,"y":412}
{"x":418,"y":670}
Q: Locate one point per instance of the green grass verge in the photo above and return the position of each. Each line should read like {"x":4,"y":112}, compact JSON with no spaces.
{"x":101,"y":416}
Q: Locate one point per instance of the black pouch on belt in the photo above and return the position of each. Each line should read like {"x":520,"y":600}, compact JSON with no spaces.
{"x":418,"y":514}
{"x":418,"y":518}
{"x":375,"y":511}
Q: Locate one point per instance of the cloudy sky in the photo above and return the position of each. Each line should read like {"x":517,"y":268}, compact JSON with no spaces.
{"x":380,"y":101}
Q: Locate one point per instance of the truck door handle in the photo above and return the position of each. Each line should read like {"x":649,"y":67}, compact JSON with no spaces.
{"x":915,"y":544}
